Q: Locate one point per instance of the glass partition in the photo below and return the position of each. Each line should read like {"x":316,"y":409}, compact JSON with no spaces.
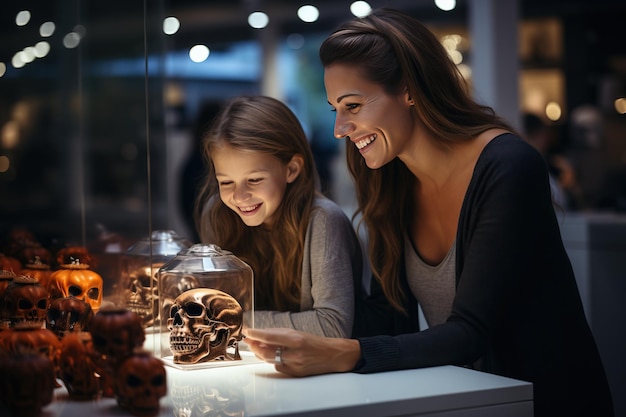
{"x":81,"y":129}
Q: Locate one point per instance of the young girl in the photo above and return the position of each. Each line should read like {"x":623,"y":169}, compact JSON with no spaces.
{"x":261,"y":201}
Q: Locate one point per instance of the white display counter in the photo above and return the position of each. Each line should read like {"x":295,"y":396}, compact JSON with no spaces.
{"x":256,"y":389}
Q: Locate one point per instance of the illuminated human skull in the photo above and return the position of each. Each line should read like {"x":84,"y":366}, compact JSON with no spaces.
{"x":68,"y":315}
{"x":203,"y":324}
{"x":140,"y":383}
{"x":142,"y":295}
{"x":170,"y":287}
{"x":25,"y":300}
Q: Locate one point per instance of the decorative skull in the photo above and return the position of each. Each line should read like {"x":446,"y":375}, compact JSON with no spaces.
{"x":115,"y":333}
{"x":25,"y":300}
{"x":171,"y":286}
{"x":203,"y":323}
{"x":78,"y":371}
{"x":140,"y":383}
{"x":30,"y":337}
{"x":77,"y":280}
{"x":27,"y":382}
{"x":67,"y":315}
{"x":142,"y":295}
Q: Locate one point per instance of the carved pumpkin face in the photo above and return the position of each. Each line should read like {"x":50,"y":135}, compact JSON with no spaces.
{"x":77,"y":369}
{"x":30,"y":338}
{"x":77,"y":280}
{"x":27,"y":383}
{"x":68,"y":315}
{"x":116,"y":332}
{"x":140,"y":383}
{"x":25,"y":300}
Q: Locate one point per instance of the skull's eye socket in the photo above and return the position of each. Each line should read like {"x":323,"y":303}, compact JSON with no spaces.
{"x":54,"y":314}
{"x":194,"y":310}
{"x":133,"y":381}
{"x":99,"y":341}
{"x":42,"y":304}
{"x":93,"y":293}
{"x":145,"y":280}
{"x":173,"y":311}
{"x":74,"y":316}
{"x":74,"y":290}
{"x":24,"y":304}
{"x":158,"y":381}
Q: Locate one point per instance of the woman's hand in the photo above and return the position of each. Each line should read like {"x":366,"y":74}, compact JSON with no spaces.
{"x":303,"y":354}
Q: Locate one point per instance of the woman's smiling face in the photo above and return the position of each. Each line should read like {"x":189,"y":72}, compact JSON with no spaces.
{"x":379,"y":124}
{"x":252,"y":184}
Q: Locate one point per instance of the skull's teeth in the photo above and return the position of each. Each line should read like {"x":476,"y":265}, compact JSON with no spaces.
{"x":183,"y":344}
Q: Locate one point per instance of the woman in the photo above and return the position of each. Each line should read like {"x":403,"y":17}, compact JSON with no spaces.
{"x":261,"y":202}
{"x":460,"y":219}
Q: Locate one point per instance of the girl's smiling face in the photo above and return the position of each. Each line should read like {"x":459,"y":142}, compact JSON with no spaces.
{"x":379,"y":124}
{"x":253,"y":184}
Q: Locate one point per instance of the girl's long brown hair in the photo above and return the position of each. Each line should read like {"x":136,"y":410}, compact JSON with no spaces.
{"x":397,"y":52}
{"x":266,"y":125}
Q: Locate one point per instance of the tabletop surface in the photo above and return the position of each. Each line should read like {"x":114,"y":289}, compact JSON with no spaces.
{"x":255,"y":389}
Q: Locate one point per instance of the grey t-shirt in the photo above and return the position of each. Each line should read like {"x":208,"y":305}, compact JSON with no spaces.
{"x":432,"y":286}
{"x":331,"y":263}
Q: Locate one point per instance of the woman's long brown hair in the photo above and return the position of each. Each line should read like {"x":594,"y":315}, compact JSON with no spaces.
{"x":397,"y":52}
{"x":266,"y":125}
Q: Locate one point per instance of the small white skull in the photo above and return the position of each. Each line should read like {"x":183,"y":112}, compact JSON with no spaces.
{"x":203,"y":324}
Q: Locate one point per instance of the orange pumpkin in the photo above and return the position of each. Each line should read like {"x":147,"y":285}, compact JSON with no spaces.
{"x":24,"y":300}
{"x":140,"y":383}
{"x":27,"y":383}
{"x":69,"y":254}
{"x":39,"y":270}
{"x":27,"y":337}
{"x":5,"y":279}
{"x":77,"y":280}
{"x":9,"y":263}
{"x":78,"y":371}
{"x":115,"y":332}
{"x":31,"y":251}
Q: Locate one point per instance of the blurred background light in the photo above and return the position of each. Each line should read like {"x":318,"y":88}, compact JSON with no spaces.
{"x":553,"y":111}
{"x":71,"y":40}
{"x":360,"y":8}
{"x":308,"y":13}
{"x":22,"y":18}
{"x":446,"y":5}
{"x":170,"y":25}
{"x":47,"y":29}
{"x":258,"y":20}
{"x":199,"y":53}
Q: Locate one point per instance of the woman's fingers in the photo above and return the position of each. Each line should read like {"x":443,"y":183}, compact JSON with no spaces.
{"x":276,"y":337}
{"x":297,"y":353}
